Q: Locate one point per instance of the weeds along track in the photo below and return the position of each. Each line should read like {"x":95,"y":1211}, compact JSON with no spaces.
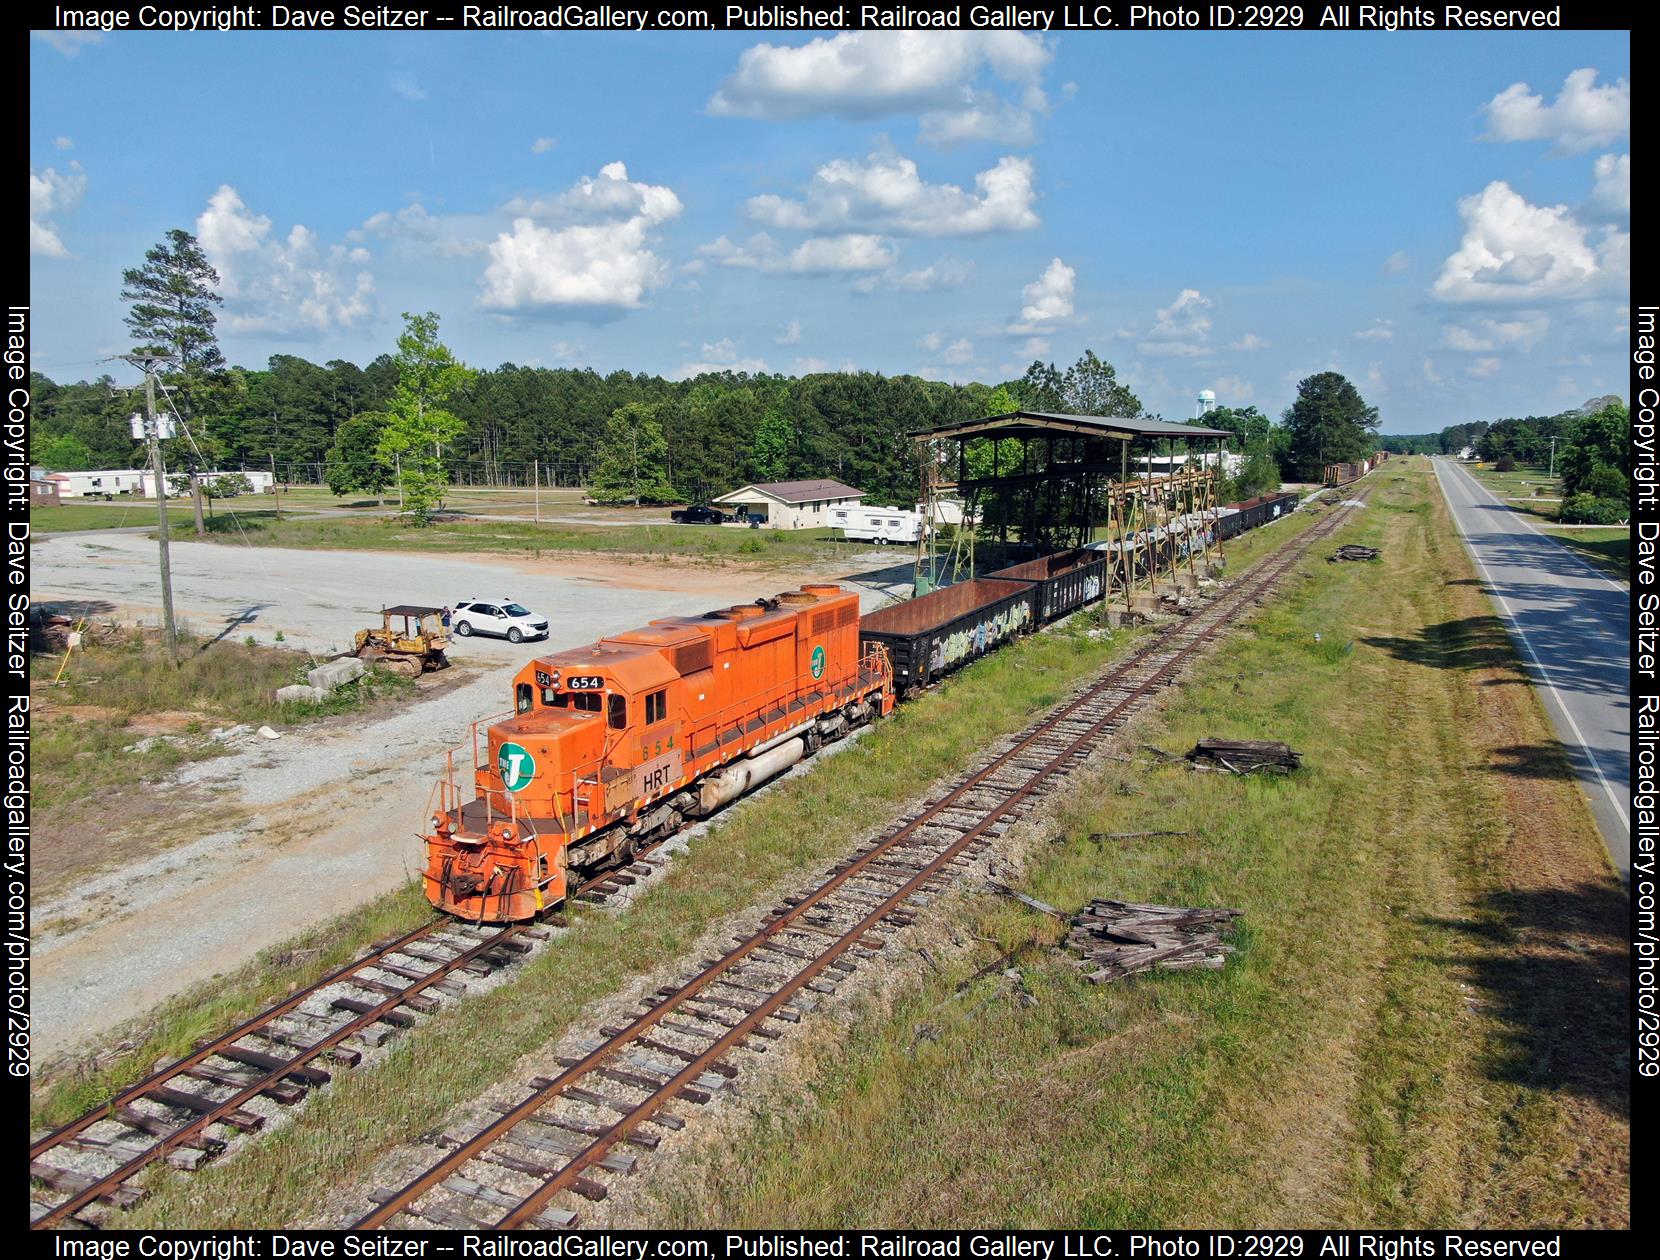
{"x":175,"y":1114}
{"x":610,"y":1102}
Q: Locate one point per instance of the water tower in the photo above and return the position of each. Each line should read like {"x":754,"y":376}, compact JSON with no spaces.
{"x":1207,"y":400}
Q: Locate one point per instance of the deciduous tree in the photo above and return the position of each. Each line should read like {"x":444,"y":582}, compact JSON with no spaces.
{"x":419,"y":422}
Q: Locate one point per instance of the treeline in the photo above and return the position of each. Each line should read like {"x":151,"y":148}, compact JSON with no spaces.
{"x":721,"y":429}
{"x":701,"y":437}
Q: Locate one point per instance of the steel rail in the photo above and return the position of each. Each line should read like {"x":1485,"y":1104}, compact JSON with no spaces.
{"x":1231,"y":605}
{"x":110,"y":1180}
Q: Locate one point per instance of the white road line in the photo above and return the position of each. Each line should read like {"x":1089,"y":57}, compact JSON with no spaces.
{"x":1544,"y":674}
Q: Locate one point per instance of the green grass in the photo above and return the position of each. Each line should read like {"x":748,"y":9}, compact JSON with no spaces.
{"x":1608,"y":549}
{"x":1380,"y":1051}
{"x":1522,"y":486}
{"x":528,"y":538}
{"x":121,"y":513}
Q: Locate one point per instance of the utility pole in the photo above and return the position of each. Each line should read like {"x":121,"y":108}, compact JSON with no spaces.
{"x":1553,"y":456}
{"x":149,"y":428}
{"x":536,"y":480}
{"x":276,"y":489}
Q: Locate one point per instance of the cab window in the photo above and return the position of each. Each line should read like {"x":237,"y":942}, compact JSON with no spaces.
{"x":582,"y":701}
{"x":523,"y":697}
{"x":657,"y":707}
{"x":617,"y":717}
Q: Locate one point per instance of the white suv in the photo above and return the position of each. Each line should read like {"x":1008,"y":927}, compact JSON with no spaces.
{"x":501,"y":617}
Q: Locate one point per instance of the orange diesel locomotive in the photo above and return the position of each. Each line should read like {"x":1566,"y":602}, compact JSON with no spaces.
{"x":612,"y":745}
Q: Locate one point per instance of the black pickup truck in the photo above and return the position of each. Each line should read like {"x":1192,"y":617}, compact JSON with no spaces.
{"x":698,"y":515}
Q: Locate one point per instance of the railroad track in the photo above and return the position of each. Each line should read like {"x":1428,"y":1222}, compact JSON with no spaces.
{"x":573,"y":1129}
{"x":177,"y":1114}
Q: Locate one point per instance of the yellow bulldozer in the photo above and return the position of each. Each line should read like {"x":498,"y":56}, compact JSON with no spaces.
{"x":414,"y":646}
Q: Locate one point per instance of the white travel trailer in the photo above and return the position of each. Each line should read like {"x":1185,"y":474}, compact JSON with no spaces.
{"x":877,"y":524}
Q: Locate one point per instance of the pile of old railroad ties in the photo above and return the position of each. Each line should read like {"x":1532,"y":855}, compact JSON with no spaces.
{"x":188,"y":1111}
{"x":1353,"y":551}
{"x":615,"y":1092}
{"x":1245,"y":756}
{"x":1120,"y":938}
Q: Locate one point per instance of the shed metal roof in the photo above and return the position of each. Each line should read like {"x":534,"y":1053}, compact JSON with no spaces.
{"x":1047,"y":424}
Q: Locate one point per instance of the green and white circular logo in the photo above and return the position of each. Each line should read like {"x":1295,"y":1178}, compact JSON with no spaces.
{"x":818,"y":662}
{"x":516,"y":766}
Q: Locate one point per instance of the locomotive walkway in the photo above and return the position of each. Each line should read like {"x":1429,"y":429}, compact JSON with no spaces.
{"x":1571,"y":626}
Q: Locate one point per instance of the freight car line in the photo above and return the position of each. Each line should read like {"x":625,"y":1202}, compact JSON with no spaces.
{"x":284,"y":1063}
{"x":729,"y":1001}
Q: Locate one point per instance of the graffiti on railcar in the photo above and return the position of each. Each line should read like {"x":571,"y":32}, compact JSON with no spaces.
{"x":972,"y":640}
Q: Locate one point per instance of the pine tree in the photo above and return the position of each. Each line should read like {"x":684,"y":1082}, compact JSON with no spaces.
{"x":173,"y":301}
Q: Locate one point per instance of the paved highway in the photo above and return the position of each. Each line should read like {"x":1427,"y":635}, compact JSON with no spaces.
{"x":1571,"y":625}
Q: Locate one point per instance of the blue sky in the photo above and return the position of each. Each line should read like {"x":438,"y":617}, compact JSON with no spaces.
{"x":1444,"y":217}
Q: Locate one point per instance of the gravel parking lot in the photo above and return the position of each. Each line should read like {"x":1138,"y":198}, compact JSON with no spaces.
{"x":337,"y":809}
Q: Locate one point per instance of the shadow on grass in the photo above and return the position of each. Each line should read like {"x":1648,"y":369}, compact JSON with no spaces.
{"x":1465,"y":644}
{"x":1550,"y":965}
{"x":1612,"y":555}
{"x":1533,"y":761}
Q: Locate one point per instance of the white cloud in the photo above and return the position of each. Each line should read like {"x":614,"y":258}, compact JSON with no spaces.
{"x":542,"y":144}
{"x":1048,"y":300}
{"x":869,"y":74}
{"x":280,"y":284}
{"x":1234,"y":391}
{"x":1037,"y":347}
{"x":931,"y":341}
{"x":70,"y":43}
{"x":569,"y":353}
{"x":1514,"y":251}
{"x":1381,"y":330}
{"x":1482,"y":368}
{"x":959,"y":351}
{"x":63,"y":142}
{"x":719,"y":356}
{"x":586,"y":248}
{"x":947,"y":273}
{"x":1582,"y":117}
{"x":1523,"y":332}
{"x":885,"y":194}
{"x":415,"y":229}
{"x":988,"y":118}
{"x":1611,"y":194}
{"x":1250,"y":341}
{"x":1375,"y":379}
{"x":1458,"y":338}
{"x":51,"y":194}
{"x":791,"y":335}
{"x":1182,"y":328}
{"x":1396,"y":263}
{"x":822,"y":255}
{"x":810,"y":365}
{"x":819,"y":255}
{"x":406,"y":86}
{"x":1430,"y":374}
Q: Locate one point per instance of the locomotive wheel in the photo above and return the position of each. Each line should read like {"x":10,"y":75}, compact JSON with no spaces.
{"x":463,"y":629}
